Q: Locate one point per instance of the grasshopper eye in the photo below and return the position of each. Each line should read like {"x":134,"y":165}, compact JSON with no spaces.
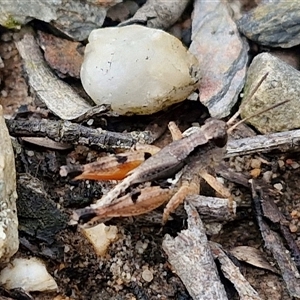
{"x":220,"y":141}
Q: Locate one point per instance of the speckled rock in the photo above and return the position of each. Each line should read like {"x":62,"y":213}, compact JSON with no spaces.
{"x":74,"y":18}
{"x":9,"y":240}
{"x":273,"y":24}
{"x":38,"y":213}
{"x":282,"y":83}
{"x":137,"y":70}
{"x":222,"y":55}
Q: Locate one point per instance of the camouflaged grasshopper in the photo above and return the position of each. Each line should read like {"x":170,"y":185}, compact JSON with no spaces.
{"x":192,"y":152}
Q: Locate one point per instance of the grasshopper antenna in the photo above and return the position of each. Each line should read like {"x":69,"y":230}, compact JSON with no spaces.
{"x":233,"y":118}
{"x":256,"y":114}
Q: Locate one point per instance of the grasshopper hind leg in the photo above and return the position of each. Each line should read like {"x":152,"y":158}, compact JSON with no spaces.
{"x":187,"y":188}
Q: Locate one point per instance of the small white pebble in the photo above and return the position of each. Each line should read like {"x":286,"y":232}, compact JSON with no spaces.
{"x":293,"y":228}
{"x":67,"y":249}
{"x":295,"y":165}
{"x":278,"y":186}
{"x":4,"y":93}
{"x":267,"y":176}
{"x":30,"y":153}
{"x":140,"y":247}
{"x":220,"y":179}
{"x":90,"y":122}
{"x":147,"y":275}
{"x":280,"y":163}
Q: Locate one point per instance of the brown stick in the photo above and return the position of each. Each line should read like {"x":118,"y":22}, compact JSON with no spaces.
{"x":275,"y":245}
{"x":67,"y":132}
{"x":232,"y":272}
{"x":281,"y":141}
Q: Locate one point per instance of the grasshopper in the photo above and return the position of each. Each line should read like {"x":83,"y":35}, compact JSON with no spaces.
{"x":192,"y":152}
{"x":195,"y":150}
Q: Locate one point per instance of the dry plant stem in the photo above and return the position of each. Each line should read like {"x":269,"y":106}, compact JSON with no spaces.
{"x":233,"y":118}
{"x":232,"y":272}
{"x":78,"y":134}
{"x":211,"y":209}
{"x":260,"y":112}
{"x":281,"y":141}
{"x":191,"y":258}
{"x":275,"y":245}
{"x":67,"y":132}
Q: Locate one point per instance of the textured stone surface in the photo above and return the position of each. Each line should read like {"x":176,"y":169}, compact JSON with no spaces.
{"x":273,"y":24}
{"x":137,"y":70}
{"x":63,"y":56}
{"x":282,"y":83}
{"x":222,"y":55}
{"x":9,"y":240}
{"x":74,"y":18}
{"x":38,"y":214}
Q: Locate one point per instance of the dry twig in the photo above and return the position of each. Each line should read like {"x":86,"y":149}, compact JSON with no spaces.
{"x":190,"y":256}
{"x":275,"y":245}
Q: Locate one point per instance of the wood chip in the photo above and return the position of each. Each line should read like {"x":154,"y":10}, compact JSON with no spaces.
{"x":190,"y":256}
{"x":232,"y":272}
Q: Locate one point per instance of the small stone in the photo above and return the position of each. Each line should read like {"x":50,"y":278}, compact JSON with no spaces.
{"x":294,"y":214}
{"x":147,"y":275}
{"x":29,"y":274}
{"x":255,"y":163}
{"x":4,"y":93}
{"x":139,"y":247}
{"x":255,"y":173}
{"x":281,"y":163}
{"x":278,"y":186}
{"x":295,"y":165}
{"x":75,"y":19}
{"x":90,"y":122}
{"x":293,"y":228}
{"x":281,"y":83}
{"x":101,"y":236}
{"x":214,"y":33}
{"x":111,"y":72}
{"x":267,"y":176}
{"x":273,"y":24}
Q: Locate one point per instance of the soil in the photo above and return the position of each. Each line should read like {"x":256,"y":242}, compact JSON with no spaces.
{"x":120,"y":274}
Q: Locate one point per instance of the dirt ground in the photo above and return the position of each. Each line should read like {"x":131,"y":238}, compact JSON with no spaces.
{"x":121,"y":273}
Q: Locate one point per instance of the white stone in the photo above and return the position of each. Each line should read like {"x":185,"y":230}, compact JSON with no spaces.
{"x":28,"y":274}
{"x":147,"y":275}
{"x":137,"y":70}
{"x":101,"y":236}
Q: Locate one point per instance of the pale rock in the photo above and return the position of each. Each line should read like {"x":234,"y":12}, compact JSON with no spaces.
{"x":9,"y":240}
{"x":29,"y":274}
{"x":137,"y":70}
{"x":147,"y":275}
{"x":101,"y":236}
{"x":282,"y":83}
